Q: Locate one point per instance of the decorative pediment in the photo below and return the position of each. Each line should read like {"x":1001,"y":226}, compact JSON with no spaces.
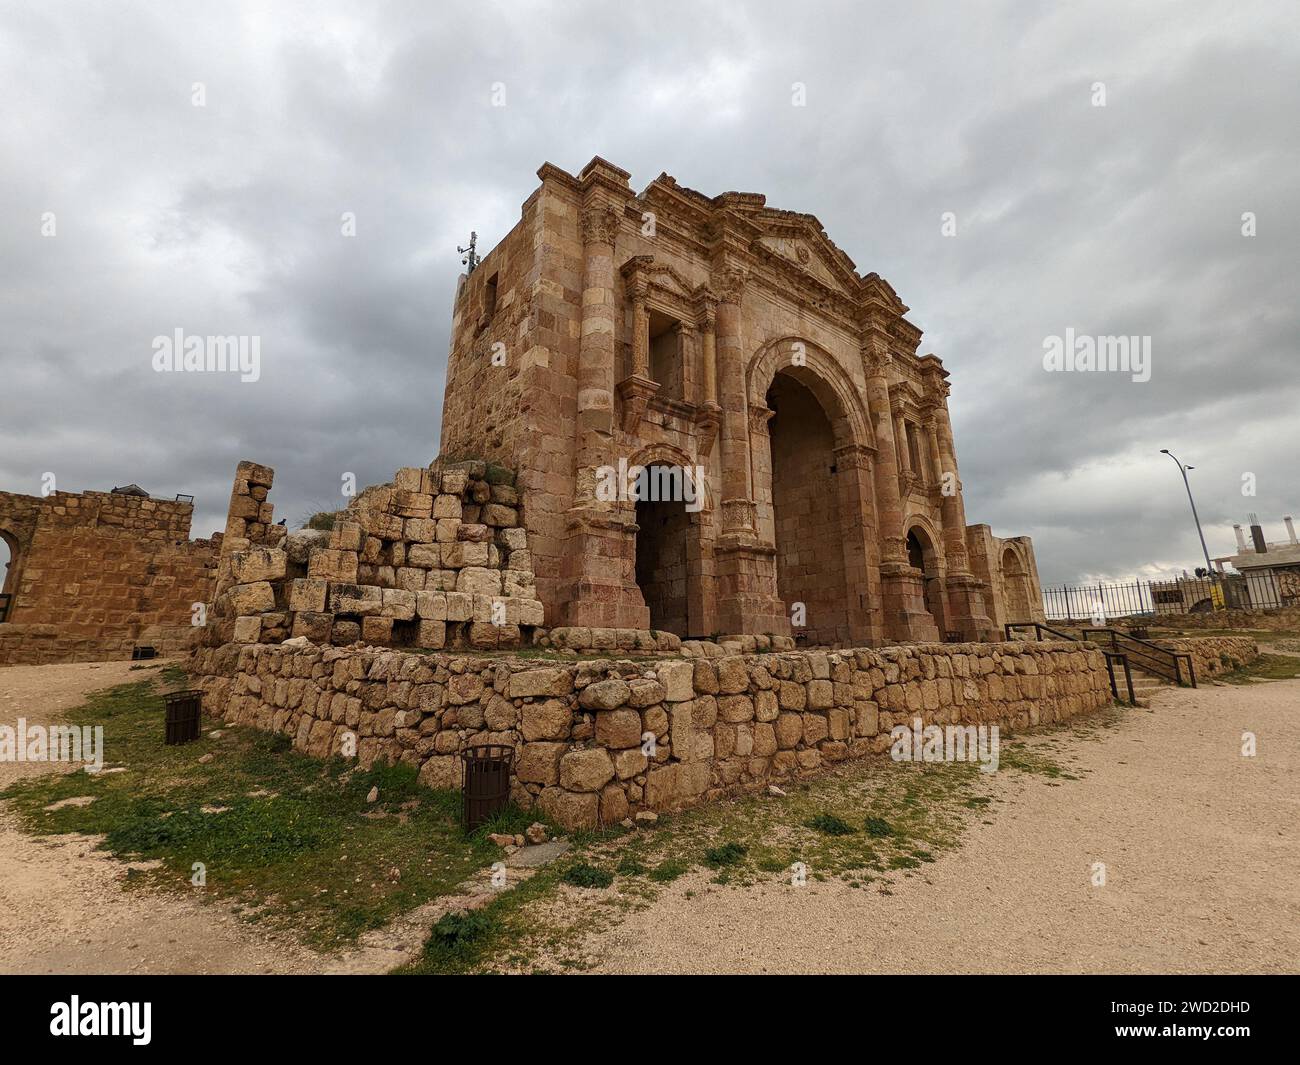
{"x":661,"y":282}
{"x":803,"y":253}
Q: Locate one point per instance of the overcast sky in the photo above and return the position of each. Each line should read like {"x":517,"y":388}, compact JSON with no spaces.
{"x":226,"y":219}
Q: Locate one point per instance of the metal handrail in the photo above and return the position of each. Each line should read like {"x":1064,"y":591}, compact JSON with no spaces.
{"x":1113,"y":657}
{"x":1169,"y":667}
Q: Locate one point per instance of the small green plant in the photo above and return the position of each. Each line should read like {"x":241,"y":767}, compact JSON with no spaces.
{"x":585,"y":875}
{"x":630,"y":866}
{"x":725,"y":854}
{"x":667,"y":871}
{"x":830,"y":825}
{"x":878,"y":827}
{"x":458,"y":932}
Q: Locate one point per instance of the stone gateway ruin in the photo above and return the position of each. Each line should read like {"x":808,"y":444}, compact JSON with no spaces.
{"x":734,"y":347}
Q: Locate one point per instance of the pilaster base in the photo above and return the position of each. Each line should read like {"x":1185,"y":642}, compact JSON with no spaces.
{"x":969,"y":615}
{"x":902,"y":588}
{"x":600,"y":572}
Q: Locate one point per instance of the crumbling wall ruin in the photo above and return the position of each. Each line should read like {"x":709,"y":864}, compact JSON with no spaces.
{"x":437,"y":558}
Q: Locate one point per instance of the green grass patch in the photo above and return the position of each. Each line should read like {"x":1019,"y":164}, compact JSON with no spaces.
{"x":585,"y":875}
{"x":286,"y":838}
{"x":830,"y":825}
{"x":725,"y":854}
{"x":1265,"y":668}
{"x":669,"y":870}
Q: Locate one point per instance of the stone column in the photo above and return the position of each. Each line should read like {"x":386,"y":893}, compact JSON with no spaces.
{"x":900,"y":445}
{"x":710,"y":369}
{"x":746,"y":569}
{"x":599,"y":552}
{"x":640,"y":330}
{"x":966,"y":593}
{"x":902,"y":587}
{"x":937,"y":466}
{"x":737,"y":500}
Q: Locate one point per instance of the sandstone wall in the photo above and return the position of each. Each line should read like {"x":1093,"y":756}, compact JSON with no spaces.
{"x":97,"y":572}
{"x":1283,"y":619}
{"x":1214,"y":655}
{"x":719,"y":725}
{"x":434,"y":559}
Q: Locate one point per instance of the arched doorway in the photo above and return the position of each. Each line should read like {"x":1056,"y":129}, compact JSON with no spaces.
{"x":921,"y":555}
{"x":810,"y":537}
{"x":1015,"y":584}
{"x":8,"y":573}
{"x":664,"y":526}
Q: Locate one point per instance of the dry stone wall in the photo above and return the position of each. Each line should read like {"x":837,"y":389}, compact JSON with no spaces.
{"x":1215,"y":655}
{"x":580,"y":729}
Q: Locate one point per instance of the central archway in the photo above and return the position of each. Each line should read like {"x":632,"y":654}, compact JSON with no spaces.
{"x":810,"y":535}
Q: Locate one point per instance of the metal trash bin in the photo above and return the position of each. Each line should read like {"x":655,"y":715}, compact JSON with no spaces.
{"x":486,"y":785}
{"x":184,"y":713}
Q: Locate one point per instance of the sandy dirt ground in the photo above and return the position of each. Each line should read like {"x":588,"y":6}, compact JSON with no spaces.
{"x":1200,"y":844}
{"x":64,"y":909}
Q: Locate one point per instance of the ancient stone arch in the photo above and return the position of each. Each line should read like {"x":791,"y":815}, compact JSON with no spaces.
{"x":670,"y":549}
{"x":925,"y":552}
{"x":1016,"y":587}
{"x":822,"y":375}
{"x":811,"y":475}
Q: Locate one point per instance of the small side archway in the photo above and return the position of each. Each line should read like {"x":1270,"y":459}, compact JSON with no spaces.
{"x":10,"y":568}
{"x":668,"y":565}
{"x":1015,"y":586}
{"x":922,"y":555}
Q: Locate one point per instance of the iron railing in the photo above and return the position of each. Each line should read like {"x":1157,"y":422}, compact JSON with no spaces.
{"x":1150,"y":656}
{"x":1177,"y":595}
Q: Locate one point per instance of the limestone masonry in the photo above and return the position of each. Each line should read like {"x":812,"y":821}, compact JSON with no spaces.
{"x":93,"y":574}
{"x":434,"y":559}
{"x":581,"y":730}
{"x":673,"y":330}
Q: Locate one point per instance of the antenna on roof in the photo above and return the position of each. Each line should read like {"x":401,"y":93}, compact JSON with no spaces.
{"x":470,"y":259}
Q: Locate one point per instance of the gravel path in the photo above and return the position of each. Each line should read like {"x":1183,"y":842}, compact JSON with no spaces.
{"x":1200,"y":845}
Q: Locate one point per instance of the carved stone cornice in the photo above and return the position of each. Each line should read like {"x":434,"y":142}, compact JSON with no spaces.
{"x":759,"y":416}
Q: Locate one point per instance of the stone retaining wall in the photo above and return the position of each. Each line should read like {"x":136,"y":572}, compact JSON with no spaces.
{"x":1214,"y":655}
{"x":1283,"y":618}
{"x":579,"y":728}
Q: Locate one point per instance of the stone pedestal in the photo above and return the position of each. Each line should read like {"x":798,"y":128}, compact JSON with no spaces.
{"x":599,"y":571}
{"x":902,"y":587}
{"x":969,"y":615}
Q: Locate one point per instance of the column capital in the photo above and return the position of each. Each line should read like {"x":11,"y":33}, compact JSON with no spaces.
{"x":600,"y":222}
{"x":730,"y":283}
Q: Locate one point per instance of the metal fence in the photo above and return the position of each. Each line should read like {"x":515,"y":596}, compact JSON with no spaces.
{"x":1178,"y":595}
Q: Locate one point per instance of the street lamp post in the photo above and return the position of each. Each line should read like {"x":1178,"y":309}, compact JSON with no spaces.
{"x":1209,"y":569}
